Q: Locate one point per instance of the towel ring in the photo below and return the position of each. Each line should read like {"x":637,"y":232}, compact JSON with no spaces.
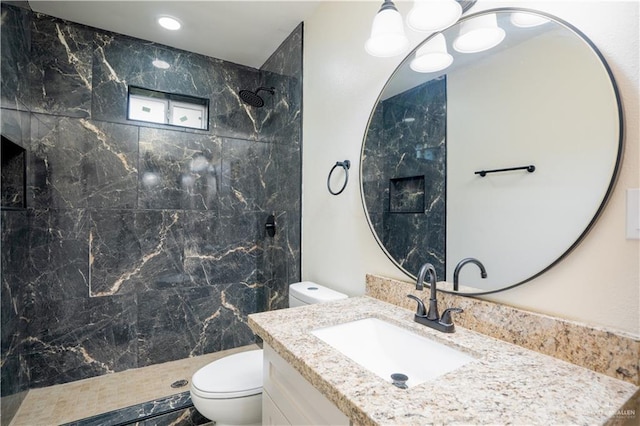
{"x":346,"y":164}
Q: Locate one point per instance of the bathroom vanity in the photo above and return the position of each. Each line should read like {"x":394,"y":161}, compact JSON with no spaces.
{"x":504,"y":383}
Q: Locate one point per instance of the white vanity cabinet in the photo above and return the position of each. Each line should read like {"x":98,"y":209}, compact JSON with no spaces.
{"x":289,"y":399}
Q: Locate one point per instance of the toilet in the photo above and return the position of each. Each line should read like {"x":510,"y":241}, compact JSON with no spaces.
{"x":229,"y":390}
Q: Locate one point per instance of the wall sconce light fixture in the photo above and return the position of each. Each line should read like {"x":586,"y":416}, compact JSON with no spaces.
{"x":387,"y":33}
{"x":433,"y":15}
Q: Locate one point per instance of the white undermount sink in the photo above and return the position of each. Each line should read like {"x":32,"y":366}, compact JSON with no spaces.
{"x":385,"y":349}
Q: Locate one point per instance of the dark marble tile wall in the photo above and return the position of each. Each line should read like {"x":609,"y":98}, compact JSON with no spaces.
{"x":13,"y":175}
{"x":140,"y":243}
{"x":15,"y":30}
{"x":282,"y":128}
{"x":407,"y":139}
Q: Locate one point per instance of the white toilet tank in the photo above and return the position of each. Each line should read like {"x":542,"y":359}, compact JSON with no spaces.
{"x":308,"y":293}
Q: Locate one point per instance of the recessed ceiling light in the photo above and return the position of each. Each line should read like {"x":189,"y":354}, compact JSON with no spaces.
{"x":169,"y":23}
{"x":159,"y":63}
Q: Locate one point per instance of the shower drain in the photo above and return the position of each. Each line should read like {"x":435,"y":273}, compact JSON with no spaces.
{"x":179,"y":383}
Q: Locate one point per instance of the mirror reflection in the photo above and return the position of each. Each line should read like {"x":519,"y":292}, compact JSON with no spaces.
{"x":535,"y":108}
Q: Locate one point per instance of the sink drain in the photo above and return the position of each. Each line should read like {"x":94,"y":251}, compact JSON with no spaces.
{"x":179,"y":383}
{"x":400,"y":380}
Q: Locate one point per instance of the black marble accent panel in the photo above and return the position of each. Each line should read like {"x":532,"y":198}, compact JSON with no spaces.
{"x":223,"y":249}
{"x":15,"y":37}
{"x":185,"y":417}
{"x":177,"y":323}
{"x":282,"y":127}
{"x":179,"y":170}
{"x":60,"y":67}
{"x":141,"y":243}
{"x":58,"y":249}
{"x":78,"y":163}
{"x":407,"y":139}
{"x":280,"y":263}
{"x":406,"y":195}
{"x":285,"y":192}
{"x":134,"y":251}
{"x":283,"y":72}
{"x":13,"y":306}
{"x":78,"y":338}
{"x":44,"y":258}
{"x":247,"y":169}
{"x":374,"y":168}
{"x":16,"y":126}
{"x":13,"y":175}
{"x":281,"y":109}
{"x":175,"y":410}
{"x":119,"y":61}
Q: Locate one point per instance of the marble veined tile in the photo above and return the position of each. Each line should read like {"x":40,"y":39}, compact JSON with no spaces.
{"x":133,"y":251}
{"x":179,"y":170}
{"x":79,"y":163}
{"x":141,"y":242}
{"x":120,"y":61}
{"x":407,"y":140}
{"x":60,"y":67}
{"x":247,"y":169}
{"x":78,"y":338}
{"x":181,"y":323}
{"x":14,"y":36}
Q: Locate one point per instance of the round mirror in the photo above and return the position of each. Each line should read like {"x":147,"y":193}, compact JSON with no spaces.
{"x":507,"y":155}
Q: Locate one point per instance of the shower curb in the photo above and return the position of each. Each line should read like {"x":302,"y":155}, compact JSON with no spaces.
{"x":141,"y":412}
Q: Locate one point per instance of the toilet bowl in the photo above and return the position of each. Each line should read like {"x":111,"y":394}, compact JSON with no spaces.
{"x":229,"y":390}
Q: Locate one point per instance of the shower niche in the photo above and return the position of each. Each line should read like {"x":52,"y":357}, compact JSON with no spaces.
{"x":13,"y":176}
{"x":406,"y":195}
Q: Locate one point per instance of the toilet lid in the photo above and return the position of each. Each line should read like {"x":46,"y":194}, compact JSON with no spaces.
{"x":233,"y":376}
{"x":309,"y":292}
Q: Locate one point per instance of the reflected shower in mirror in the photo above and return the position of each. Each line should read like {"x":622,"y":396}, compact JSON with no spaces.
{"x":542,"y":97}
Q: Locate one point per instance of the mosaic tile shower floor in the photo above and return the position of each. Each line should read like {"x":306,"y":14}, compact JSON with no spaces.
{"x":69,"y":402}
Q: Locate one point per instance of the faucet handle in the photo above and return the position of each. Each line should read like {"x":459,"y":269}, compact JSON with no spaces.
{"x":446,"y":315}
{"x":421,"y":310}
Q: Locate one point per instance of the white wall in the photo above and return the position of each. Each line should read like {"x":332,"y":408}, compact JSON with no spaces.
{"x":598,"y":283}
{"x":519,"y":223}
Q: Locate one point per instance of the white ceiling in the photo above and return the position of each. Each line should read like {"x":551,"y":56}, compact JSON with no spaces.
{"x":244,"y":32}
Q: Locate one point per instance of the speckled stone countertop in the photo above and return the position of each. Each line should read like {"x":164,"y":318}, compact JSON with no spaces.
{"x":505,"y":384}
{"x":614,"y":353}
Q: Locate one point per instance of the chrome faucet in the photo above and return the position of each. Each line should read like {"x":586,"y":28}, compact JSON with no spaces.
{"x":456,"y":271}
{"x":430,"y":317}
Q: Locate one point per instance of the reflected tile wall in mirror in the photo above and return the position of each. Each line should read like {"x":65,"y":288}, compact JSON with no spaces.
{"x":415,"y":132}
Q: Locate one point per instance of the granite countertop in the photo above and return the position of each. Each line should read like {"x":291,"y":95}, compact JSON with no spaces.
{"x":505,"y":384}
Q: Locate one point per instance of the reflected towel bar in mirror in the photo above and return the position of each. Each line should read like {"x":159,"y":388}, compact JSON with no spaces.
{"x":530,"y":168}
